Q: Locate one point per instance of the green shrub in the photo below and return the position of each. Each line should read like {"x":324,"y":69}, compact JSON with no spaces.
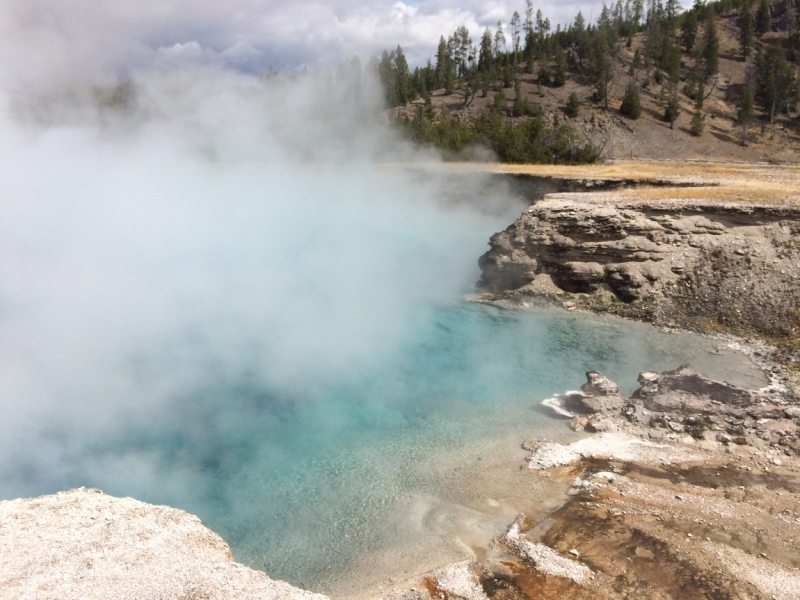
{"x":573,"y":105}
{"x":631,"y":102}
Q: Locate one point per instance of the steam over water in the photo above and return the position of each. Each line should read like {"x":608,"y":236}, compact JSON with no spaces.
{"x":214,"y":298}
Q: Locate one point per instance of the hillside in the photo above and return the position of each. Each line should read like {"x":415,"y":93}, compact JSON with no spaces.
{"x":649,"y":136}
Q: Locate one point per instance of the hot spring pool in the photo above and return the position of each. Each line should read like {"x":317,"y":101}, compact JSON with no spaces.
{"x":304,"y":487}
{"x":284,"y":353}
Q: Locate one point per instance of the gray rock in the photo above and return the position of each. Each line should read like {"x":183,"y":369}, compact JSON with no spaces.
{"x":647,"y":377}
{"x":675,"y":426}
{"x":600,"y":425}
{"x":792,"y":412}
{"x":599,"y":385}
{"x":685,"y":388}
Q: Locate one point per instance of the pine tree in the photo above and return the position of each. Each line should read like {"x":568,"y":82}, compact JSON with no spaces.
{"x":515,"y":30}
{"x":430,"y":76}
{"x":631,"y":102}
{"x":528,"y":25}
{"x":602,"y":69}
{"x":638,"y":13}
{"x":508,"y":76}
{"x":500,"y":103}
{"x":745,"y":114}
{"x":763,"y":17}
{"x":485,"y":55}
{"x":544,"y":71}
{"x":520,"y":106}
{"x":698,"y":124}
{"x":573,"y":105}
{"x":689,"y":30}
{"x":420,"y":83}
{"x":671,"y":13}
{"x":402,"y":77}
{"x":710,"y":46}
{"x":774,"y":80}
{"x":654,"y":32}
{"x":579,"y":33}
{"x":560,"y":77}
{"x":636,"y":64}
{"x":387,"y":79}
{"x":745,"y":28}
{"x":499,"y":40}
{"x":449,"y":81}
{"x":672,"y":65}
{"x":429,"y":112}
{"x":442,"y":63}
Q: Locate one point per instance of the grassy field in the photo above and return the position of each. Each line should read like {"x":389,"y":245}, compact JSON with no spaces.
{"x":724,"y":182}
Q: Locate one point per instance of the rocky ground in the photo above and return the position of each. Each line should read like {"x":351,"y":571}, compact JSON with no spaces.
{"x":86,"y":544}
{"x":687,"y":489}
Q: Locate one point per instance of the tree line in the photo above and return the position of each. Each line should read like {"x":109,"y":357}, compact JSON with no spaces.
{"x":678,"y":54}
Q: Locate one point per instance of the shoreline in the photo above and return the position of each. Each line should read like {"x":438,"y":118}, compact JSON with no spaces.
{"x":758,"y":350}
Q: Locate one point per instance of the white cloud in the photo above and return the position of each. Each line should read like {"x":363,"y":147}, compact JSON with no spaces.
{"x":241,"y":52}
{"x":191,"y":51}
{"x":41,"y":39}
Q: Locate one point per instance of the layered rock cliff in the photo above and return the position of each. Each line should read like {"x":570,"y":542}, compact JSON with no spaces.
{"x":685,"y":262}
{"x":86,"y":544}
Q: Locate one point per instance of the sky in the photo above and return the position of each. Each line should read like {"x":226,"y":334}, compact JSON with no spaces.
{"x":43,"y":39}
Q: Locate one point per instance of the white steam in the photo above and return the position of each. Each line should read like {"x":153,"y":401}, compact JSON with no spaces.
{"x":199,"y":226}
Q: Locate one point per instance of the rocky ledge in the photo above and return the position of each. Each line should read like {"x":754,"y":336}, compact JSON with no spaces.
{"x":707,"y":264}
{"x":86,"y":544}
{"x":687,"y":489}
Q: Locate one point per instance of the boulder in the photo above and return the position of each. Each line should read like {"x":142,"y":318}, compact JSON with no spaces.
{"x":687,"y":389}
{"x":86,"y":544}
{"x":598,"y":384}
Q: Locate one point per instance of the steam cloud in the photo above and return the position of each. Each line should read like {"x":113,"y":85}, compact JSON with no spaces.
{"x":194,"y":226}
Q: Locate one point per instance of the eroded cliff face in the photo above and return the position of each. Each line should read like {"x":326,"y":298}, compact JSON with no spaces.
{"x":733,"y":264}
{"x":86,"y":544}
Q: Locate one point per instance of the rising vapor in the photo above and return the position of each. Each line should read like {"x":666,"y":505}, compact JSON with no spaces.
{"x":184,"y":227}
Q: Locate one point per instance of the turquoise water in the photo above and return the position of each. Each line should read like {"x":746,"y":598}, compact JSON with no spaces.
{"x":283,"y":352}
{"x":300,"y":486}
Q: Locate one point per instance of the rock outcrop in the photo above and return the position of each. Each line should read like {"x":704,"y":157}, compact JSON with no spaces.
{"x":686,"y":402}
{"x":670,"y":261}
{"x":86,"y":544}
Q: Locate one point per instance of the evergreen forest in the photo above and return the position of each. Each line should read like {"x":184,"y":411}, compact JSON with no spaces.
{"x":677,"y":57}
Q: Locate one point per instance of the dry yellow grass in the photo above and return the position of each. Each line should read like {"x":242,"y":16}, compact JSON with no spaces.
{"x":724,"y":182}
{"x":654,"y":170}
